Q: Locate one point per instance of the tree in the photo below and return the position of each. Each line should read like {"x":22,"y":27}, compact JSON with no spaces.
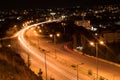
{"x":40,"y":74}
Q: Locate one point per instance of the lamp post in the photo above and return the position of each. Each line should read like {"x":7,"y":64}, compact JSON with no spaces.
{"x":55,"y":40}
{"x":96,"y":52}
{"x":78,"y":70}
{"x":45,"y":63}
{"x":63,"y":24}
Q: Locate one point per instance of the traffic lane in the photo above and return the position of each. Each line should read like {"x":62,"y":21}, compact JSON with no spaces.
{"x":90,"y":62}
{"x":46,"y":46}
{"x":106,"y":69}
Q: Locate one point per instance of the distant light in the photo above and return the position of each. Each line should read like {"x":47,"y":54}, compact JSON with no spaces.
{"x":93,"y":29}
{"x":0,"y":45}
{"x":34,"y":31}
{"x":100,"y":25}
{"x":90,"y":10}
{"x":79,"y":48}
{"x":9,"y":45}
{"x":63,"y":17}
{"x":101,"y":42}
{"x":18,"y":18}
{"x":40,"y":31}
{"x":51,"y":35}
{"x":96,"y":12}
{"x":2,"y":19}
{"x":92,"y":43}
{"x":96,"y":34}
{"x":52,"y":13}
{"x":58,"y":34}
{"x":49,"y":20}
{"x":117,"y":23}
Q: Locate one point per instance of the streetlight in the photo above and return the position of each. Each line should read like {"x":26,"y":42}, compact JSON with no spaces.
{"x":54,"y":39}
{"x":96,"y":51}
{"x":63,"y":24}
{"x":45,"y":63}
{"x":78,"y":70}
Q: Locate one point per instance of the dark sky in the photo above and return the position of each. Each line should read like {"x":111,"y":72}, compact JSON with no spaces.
{"x":51,"y":3}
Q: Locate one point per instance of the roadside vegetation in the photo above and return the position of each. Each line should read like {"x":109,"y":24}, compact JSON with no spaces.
{"x":12,"y":66}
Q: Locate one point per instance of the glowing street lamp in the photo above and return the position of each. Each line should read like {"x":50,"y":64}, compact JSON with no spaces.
{"x":58,"y":34}
{"x":96,"y":51}
{"x":101,"y":42}
{"x":63,"y":24}
{"x":54,"y":36}
{"x":92,"y":43}
{"x":40,"y":30}
{"x":51,"y":35}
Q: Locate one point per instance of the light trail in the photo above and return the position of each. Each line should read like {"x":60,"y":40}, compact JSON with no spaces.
{"x":33,"y":52}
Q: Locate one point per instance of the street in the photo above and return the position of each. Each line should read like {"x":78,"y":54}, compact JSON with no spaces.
{"x":62,"y":64}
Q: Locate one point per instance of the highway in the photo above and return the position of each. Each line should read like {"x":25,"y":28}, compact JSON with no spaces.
{"x":62,"y":65}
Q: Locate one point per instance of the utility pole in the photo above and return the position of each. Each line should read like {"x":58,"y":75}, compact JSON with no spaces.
{"x":96,"y":46}
{"x":45,"y":62}
{"x":28,"y":64}
{"x":54,"y":36}
{"x":77,"y":66}
{"x":96,"y":52}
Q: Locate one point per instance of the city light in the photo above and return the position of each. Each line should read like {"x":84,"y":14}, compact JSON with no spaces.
{"x":58,"y":38}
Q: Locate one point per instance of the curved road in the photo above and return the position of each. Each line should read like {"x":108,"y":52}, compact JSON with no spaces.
{"x":64,"y":65}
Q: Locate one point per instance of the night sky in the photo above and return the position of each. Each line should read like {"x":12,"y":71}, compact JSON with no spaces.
{"x":52,"y":3}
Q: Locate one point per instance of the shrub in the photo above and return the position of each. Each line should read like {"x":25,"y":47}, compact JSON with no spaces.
{"x":90,"y":72}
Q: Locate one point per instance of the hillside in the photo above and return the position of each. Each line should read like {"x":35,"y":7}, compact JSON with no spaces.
{"x":12,"y":66}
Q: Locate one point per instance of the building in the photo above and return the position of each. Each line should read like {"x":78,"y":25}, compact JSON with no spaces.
{"x":84,"y":23}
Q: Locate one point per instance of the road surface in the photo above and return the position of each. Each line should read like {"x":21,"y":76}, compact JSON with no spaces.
{"x":62,"y":65}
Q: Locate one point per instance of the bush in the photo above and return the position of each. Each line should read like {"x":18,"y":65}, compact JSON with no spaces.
{"x":90,"y":72}
{"x":101,"y":78}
